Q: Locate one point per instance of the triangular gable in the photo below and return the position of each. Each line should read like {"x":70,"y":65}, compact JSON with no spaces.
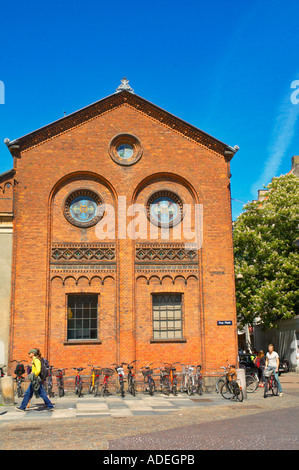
{"x":123,"y":97}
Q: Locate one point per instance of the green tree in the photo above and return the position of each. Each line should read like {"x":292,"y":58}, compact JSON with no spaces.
{"x":266,"y":258}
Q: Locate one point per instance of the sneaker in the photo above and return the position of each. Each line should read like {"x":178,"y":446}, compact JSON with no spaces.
{"x":51,"y":408}
{"x":19,"y":408}
{"x":280,"y":394}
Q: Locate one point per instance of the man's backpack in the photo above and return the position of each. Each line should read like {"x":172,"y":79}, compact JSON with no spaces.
{"x":44,"y":370}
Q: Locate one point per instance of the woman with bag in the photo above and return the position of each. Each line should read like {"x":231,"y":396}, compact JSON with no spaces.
{"x":259,"y":362}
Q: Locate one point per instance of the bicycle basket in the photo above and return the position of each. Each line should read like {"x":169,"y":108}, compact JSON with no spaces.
{"x":231,"y":375}
{"x":107,"y":371}
{"x":56,"y":373}
{"x":98,"y":371}
{"x":268,"y":373}
{"x":147,"y":372}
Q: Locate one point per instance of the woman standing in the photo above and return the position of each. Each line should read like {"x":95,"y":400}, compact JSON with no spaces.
{"x":259,"y":362}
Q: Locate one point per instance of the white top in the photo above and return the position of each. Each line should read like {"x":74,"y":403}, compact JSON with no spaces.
{"x":272,"y":359}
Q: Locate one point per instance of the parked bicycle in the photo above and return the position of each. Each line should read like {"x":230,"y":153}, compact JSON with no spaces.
{"x":164,"y":383}
{"x":222,"y":380}
{"x":252,"y":383}
{"x":49,"y":383}
{"x":271,"y":383}
{"x":251,"y":380}
{"x":131,"y":379}
{"x":188,"y":383}
{"x":231,"y":390}
{"x":94,"y":379}
{"x":106,"y":372}
{"x":199,"y":380}
{"x":78,"y":381}
{"x":59,"y":374}
{"x":120,"y":378}
{"x":148,"y":381}
{"x":19,"y":371}
{"x":168,"y":379}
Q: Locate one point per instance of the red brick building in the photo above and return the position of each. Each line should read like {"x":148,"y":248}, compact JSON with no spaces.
{"x":147,"y":292}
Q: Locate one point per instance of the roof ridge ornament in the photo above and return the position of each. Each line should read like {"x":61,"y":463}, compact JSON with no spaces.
{"x":124,"y":86}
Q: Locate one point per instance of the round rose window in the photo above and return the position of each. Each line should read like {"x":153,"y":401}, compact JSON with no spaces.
{"x":164,"y":208}
{"x":83,"y":208}
{"x":125,"y":149}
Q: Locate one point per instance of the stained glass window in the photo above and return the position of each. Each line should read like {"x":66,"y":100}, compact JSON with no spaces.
{"x":83,"y":209}
{"x":164,"y":209}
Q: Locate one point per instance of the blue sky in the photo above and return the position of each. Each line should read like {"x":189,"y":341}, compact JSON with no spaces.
{"x":225,"y":67}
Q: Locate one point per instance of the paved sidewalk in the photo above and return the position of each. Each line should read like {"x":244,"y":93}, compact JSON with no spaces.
{"x":90,"y":423}
{"x":112,"y":406}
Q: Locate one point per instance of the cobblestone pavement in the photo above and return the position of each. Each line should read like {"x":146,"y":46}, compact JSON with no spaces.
{"x":159,"y":422}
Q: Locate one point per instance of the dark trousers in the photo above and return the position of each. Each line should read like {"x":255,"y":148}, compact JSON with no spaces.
{"x":29,"y":394}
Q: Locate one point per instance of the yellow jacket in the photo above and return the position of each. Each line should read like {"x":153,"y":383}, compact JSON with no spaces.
{"x":36,"y":366}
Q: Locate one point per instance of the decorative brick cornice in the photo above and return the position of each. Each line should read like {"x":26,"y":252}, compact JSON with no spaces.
{"x":113,"y":101}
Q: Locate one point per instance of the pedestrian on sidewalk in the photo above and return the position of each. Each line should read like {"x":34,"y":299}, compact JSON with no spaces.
{"x":272,"y":362}
{"x":259,"y":363}
{"x":36,"y":385}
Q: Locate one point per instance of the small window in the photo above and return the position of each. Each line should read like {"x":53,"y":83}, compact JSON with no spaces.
{"x":167,"y":316}
{"x":82,"y":317}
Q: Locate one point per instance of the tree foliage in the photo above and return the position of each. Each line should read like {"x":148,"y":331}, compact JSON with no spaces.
{"x":266,"y":255}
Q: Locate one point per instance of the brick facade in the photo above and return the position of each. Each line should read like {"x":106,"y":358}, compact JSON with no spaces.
{"x":52,"y":258}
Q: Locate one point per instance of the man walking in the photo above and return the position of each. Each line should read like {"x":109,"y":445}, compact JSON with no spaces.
{"x":35,"y":385}
{"x":272,"y":362}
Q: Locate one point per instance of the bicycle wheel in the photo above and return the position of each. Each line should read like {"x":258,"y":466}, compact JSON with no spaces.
{"x":122,"y":390}
{"x":199,"y":389}
{"x":132,"y":389}
{"x":50,"y":390}
{"x":251,"y":384}
{"x":166,"y":388}
{"x":96,"y":390}
{"x":151,"y":387}
{"x":266,"y":387}
{"x":219,"y":383}
{"x":226,"y":391}
{"x":19,"y":391}
{"x":190,"y":388}
{"x":275,"y":387}
{"x":80,"y":389}
{"x":238,"y":392}
{"x":174,"y":390}
{"x":60,"y":391}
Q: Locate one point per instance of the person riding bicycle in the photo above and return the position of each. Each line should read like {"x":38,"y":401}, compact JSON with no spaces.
{"x":35,"y":386}
{"x":272,"y":362}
